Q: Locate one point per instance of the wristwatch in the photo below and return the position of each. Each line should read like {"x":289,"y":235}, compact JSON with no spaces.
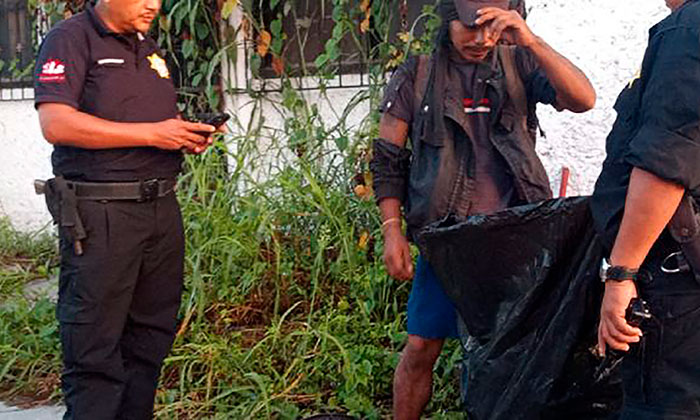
{"x":620,"y":273}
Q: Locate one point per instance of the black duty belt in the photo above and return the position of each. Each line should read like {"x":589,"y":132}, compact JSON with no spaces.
{"x":62,"y":198}
{"x":136,"y":191}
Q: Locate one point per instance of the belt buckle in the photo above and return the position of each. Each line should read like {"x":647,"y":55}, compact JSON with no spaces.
{"x":149,"y":190}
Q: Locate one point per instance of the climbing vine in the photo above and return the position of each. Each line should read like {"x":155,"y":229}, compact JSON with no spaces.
{"x":287,"y":310}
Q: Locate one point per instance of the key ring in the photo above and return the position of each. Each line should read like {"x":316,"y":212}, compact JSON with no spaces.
{"x":667,"y":259}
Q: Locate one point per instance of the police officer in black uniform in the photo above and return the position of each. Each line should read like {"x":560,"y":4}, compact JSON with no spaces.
{"x":107,"y":103}
{"x":653,"y":161}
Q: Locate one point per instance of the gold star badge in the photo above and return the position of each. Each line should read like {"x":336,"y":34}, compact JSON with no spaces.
{"x":158,"y":64}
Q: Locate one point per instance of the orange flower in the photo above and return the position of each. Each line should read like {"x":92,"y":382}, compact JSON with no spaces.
{"x":264,"y":40}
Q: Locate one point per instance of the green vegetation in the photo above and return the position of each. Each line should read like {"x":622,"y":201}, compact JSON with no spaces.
{"x":288,"y":310}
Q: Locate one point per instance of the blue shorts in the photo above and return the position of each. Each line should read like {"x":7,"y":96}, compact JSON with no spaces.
{"x":430,"y":313}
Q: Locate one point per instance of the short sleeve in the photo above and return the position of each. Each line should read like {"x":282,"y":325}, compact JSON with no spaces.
{"x":399,"y":93}
{"x":668,"y":141}
{"x":60,"y":69}
{"x":537,"y":85}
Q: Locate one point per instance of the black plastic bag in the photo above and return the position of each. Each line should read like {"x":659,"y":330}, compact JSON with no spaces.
{"x":525,"y":282}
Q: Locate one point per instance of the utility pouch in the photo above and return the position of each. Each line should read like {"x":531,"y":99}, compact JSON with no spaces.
{"x":685,"y":229}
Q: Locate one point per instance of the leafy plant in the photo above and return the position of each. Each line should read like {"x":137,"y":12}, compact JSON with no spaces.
{"x":287,"y":309}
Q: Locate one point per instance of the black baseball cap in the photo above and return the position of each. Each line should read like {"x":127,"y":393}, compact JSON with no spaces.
{"x":467,"y":9}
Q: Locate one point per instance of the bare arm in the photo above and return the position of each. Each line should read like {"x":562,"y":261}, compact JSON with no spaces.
{"x":651,"y":202}
{"x":397,"y":253}
{"x":64,"y":125}
{"x":574,"y":90}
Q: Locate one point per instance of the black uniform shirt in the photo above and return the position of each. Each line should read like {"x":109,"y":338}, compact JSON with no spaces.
{"x":658,"y":123}
{"x":116,"y":77}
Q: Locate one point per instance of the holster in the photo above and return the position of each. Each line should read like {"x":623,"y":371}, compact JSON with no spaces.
{"x":62,"y":203}
{"x":684,"y":227}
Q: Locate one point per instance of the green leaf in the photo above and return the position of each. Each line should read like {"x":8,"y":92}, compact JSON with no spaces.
{"x":255,"y":64}
{"x":321,"y":60}
{"x":197,"y":79}
{"x":228,"y":8}
{"x":202,"y":31}
{"x":276,"y":27}
{"x":273,"y":4}
{"x":188,"y":48}
{"x":179,"y":14}
{"x":342,"y":142}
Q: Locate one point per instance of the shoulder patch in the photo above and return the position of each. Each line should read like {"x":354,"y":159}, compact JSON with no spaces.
{"x":53,"y":71}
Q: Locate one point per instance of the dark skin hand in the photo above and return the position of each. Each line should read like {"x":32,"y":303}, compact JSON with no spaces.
{"x":574,"y":90}
{"x":397,"y":252}
{"x":64,"y":125}
{"x":650,"y":204}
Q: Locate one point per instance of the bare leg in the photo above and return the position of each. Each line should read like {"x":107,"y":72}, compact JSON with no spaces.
{"x":413,"y":379}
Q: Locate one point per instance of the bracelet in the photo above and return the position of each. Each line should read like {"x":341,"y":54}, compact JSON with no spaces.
{"x":391,"y":220}
{"x":619,"y":273}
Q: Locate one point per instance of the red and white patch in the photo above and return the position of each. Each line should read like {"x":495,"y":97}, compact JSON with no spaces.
{"x":471,"y":107}
{"x":53,"y":71}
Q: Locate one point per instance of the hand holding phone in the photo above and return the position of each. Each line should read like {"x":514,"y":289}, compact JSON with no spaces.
{"x":215,"y":119}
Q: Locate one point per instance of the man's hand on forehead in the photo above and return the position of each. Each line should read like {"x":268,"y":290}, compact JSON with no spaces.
{"x":507,"y":25}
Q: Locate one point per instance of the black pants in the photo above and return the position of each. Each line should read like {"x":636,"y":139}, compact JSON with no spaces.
{"x":661,"y":375}
{"x":117,"y":306}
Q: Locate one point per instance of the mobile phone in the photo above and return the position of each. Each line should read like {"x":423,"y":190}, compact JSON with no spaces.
{"x":216,"y":119}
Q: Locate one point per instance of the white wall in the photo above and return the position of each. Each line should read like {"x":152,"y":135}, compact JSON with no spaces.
{"x":604,"y":38}
{"x":24,"y":156}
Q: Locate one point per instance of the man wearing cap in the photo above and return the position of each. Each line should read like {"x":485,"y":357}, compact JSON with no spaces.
{"x":469,"y":110}
{"x":653,"y":162}
{"x":107,"y":103}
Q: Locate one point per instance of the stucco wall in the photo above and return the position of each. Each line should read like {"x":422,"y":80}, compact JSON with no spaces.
{"x":604,"y":38}
{"x":24,"y":156}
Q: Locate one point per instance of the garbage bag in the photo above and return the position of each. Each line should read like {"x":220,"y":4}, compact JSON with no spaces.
{"x":525,"y":282}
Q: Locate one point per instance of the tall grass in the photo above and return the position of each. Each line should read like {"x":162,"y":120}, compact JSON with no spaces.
{"x":287,"y":309}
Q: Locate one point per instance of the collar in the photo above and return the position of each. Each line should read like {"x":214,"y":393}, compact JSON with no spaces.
{"x":103,"y":30}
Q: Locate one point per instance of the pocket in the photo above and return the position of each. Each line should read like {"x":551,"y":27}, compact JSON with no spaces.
{"x":672,"y":374}
{"x":74,"y":312}
{"x":111,"y":62}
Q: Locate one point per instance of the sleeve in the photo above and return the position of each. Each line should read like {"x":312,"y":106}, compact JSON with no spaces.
{"x":537,"y":85}
{"x":390,"y":165}
{"x":667,"y":143}
{"x":60,"y":69}
{"x":399,"y":93}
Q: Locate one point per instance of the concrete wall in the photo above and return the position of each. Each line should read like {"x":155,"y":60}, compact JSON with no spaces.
{"x":604,"y":38}
{"x":24,"y":156}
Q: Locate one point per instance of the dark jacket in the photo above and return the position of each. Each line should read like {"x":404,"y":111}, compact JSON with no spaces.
{"x":433,"y":170}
